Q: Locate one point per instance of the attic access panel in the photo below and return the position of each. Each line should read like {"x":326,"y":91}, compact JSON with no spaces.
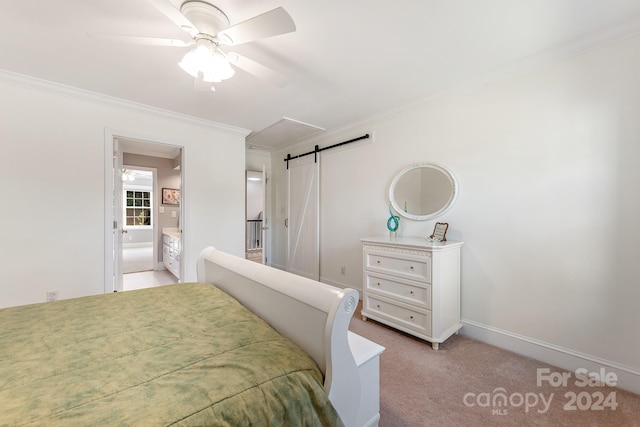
{"x":281,"y":134}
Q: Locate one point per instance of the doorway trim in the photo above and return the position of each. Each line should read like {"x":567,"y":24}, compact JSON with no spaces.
{"x":110,"y":136}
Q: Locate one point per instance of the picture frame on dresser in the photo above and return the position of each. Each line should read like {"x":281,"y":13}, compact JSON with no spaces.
{"x":440,"y":232}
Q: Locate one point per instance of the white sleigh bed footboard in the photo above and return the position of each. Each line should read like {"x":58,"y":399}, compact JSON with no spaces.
{"x":315,"y":316}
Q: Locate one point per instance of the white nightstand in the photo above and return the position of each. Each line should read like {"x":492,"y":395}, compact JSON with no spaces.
{"x":367,"y":356}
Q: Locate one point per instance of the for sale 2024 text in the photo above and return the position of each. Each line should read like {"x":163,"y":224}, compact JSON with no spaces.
{"x":583,"y":400}
{"x":588,"y":398}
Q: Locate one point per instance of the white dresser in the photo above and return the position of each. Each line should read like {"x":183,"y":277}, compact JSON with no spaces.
{"x":413,"y":285}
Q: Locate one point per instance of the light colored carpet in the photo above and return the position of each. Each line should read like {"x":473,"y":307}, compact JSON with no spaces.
{"x":423,"y":387}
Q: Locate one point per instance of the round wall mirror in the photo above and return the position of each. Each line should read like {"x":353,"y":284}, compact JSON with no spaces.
{"x":423,"y":191}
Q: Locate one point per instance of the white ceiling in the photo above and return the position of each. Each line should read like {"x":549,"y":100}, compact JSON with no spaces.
{"x":348,"y":59}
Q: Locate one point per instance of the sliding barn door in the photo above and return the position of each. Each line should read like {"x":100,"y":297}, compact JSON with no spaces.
{"x":303,"y":249}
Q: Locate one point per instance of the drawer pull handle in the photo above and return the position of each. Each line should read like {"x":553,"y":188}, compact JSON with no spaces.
{"x":378,"y":261}
{"x":378,"y":283}
{"x":378,"y":305}
{"x":411,"y":317}
{"x":411,"y":292}
{"x":411,"y":268}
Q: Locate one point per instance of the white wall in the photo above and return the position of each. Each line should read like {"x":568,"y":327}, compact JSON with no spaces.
{"x":547,"y":164}
{"x":53,"y":175}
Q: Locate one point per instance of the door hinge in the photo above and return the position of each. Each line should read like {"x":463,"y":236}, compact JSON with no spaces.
{"x":115,"y":225}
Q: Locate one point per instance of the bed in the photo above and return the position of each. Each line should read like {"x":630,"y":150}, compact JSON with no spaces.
{"x":246,"y":345}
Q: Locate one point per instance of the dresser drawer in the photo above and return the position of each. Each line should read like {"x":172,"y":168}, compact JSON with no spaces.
{"x":415,"y":268}
{"x":412,"y":293}
{"x":417,"y":320}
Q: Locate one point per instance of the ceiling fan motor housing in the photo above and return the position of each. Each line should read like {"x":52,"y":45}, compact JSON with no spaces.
{"x":207,"y":18}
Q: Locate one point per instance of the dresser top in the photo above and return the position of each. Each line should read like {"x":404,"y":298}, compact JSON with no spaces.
{"x":416,"y":242}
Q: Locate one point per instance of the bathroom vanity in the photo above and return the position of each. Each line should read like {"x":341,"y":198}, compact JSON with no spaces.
{"x":171,"y":250}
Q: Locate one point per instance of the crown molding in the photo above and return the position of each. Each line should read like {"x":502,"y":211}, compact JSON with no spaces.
{"x":59,"y":89}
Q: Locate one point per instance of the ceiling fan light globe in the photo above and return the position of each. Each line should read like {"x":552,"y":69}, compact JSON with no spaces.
{"x":204,"y":59}
{"x":222,"y":67}
{"x":197,"y":59}
{"x":188,"y":68}
{"x":200,"y":56}
{"x":227,"y":73}
{"x":211,"y":78}
{"x":189,"y":64}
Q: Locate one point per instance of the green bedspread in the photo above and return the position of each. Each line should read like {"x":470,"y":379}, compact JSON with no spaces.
{"x":184,"y":354}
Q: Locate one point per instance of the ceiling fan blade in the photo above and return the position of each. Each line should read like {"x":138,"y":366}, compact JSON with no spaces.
{"x":168,"y":10}
{"x":272,"y":23}
{"x":257,"y":69}
{"x":145,"y":41}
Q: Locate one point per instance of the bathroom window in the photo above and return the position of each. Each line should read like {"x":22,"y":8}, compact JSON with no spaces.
{"x":138,"y":205}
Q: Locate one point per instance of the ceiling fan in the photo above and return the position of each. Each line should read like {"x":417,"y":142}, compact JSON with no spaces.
{"x":209,"y":30}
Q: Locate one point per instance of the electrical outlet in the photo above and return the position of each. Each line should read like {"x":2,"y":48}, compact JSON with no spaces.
{"x":343,"y":270}
{"x":52,"y":295}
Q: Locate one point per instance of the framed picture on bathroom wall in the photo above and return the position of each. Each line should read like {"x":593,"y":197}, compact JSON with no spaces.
{"x":170,"y":196}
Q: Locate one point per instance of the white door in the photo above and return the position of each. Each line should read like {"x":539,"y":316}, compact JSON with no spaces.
{"x":265,"y":219}
{"x":118,"y":226}
{"x":303,"y":248}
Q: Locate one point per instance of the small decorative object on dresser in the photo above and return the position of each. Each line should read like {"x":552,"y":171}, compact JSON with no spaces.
{"x":393,"y":222}
{"x":439,"y":232}
{"x":413,"y":285}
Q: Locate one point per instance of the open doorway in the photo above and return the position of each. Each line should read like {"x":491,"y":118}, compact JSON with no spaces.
{"x":255,"y":249}
{"x":143,"y":172}
{"x":138,"y":219}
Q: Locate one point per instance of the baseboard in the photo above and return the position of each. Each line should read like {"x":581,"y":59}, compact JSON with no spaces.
{"x":628,"y":378}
